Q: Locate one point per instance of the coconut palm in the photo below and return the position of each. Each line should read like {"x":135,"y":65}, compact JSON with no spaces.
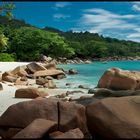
{"x":3,"y":41}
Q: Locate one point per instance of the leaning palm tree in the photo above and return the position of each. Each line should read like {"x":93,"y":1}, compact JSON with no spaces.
{"x":3,"y":41}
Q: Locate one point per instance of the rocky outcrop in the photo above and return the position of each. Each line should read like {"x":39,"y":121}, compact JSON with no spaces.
{"x":20,"y":71}
{"x":44,"y":73}
{"x":9,"y":77}
{"x":37,"y":129}
{"x":114,"y":117}
{"x":104,"y":92}
{"x":34,"y":67}
{"x":66,"y":115}
{"x":72,"y":116}
{"x":118,"y":79}
{"x":29,"y":93}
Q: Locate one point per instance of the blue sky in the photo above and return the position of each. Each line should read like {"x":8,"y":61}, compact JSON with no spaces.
{"x":114,"y":19}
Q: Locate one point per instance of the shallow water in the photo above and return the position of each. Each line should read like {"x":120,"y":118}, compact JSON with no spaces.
{"x":89,"y":74}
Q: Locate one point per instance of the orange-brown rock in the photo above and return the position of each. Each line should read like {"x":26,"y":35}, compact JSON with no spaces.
{"x":29,"y":93}
{"x":72,"y":116}
{"x":20,"y":115}
{"x":115,"y":117}
{"x":44,"y":73}
{"x":9,"y":77}
{"x":20,"y":71}
{"x":20,"y":82}
{"x":50,"y":84}
{"x":34,"y":67}
{"x":37,"y":129}
{"x":71,"y":134}
{"x":118,"y":79}
{"x":55,"y":134}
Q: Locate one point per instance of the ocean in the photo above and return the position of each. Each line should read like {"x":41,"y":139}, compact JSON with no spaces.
{"x":89,"y":74}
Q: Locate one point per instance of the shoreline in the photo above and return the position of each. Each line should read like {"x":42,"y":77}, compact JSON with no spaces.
{"x":76,"y":60}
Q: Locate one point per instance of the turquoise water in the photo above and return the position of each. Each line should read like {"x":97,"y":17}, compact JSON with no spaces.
{"x":89,"y":74}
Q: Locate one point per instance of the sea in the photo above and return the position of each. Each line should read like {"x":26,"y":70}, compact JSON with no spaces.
{"x":89,"y":74}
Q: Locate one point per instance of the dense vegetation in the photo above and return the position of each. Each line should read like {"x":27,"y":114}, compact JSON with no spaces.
{"x":26,"y":43}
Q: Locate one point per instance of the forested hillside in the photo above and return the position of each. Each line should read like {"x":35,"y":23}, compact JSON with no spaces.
{"x":26,"y":43}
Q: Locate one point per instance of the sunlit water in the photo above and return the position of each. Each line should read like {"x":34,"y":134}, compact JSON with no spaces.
{"x":89,"y":74}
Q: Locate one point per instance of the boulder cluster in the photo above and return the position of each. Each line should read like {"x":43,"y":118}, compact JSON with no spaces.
{"x":42,"y":73}
{"x":112,"y":112}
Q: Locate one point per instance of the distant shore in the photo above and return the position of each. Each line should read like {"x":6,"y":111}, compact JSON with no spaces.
{"x":63,"y":60}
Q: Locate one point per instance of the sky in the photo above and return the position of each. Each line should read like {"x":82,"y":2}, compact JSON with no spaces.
{"x":114,"y":19}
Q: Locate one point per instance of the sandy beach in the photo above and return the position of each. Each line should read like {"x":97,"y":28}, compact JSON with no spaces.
{"x":7,"y":95}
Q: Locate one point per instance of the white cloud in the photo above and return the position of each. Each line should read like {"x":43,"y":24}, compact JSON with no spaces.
{"x":100,"y":20}
{"x":106,"y":22}
{"x":61,"y":4}
{"x":136,"y":6}
{"x":60,"y":16}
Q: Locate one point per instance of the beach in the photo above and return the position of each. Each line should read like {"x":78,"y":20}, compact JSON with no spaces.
{"x":7,"y":95}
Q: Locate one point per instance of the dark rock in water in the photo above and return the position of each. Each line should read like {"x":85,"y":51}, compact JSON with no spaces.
{"x":115,"y":117}
{"x":75,"y":91}
{"x":82,"y":86}
{"x":72,"y":71}
{"x":103,"y":93}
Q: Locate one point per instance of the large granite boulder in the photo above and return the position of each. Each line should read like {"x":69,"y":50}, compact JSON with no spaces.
{"x":20,"y":71}
{"x":67,"y":115}
{"x":118,"y":79}
{"x":34,"y":67}
{"x":9,"y":77}
{"x":72,"y":116}
{"x":22,"y":114}
{"x":44,"y":73}
{"x":37,"y":129}
{"x":114,"y":117}
{"x":29,"y":93}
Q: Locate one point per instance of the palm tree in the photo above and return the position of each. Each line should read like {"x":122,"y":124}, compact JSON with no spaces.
{"x":3,"y":41}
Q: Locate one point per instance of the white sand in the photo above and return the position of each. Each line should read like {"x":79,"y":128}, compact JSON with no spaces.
{"x":7,"y":94}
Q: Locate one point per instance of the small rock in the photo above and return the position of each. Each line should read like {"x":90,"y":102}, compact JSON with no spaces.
{"x":72,"y":71}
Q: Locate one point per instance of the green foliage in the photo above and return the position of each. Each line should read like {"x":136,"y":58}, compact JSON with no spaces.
{"x":5,"y":57}
{"x":28,"y":43}
{"x":3,"y":41}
